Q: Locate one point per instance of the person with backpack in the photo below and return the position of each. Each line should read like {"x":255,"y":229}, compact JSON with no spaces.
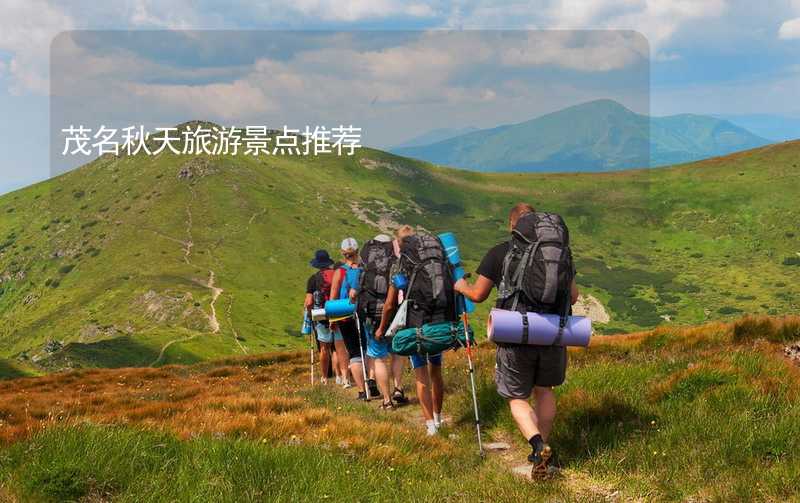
{"x":377,"y":258}
{"x":318,"y":291}
{"x":533,"y":272}
{"x":345,"y":286}
{"x":398,"y":362}
{"x":429,"y":299}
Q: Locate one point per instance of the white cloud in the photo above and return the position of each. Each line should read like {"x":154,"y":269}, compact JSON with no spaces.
{"x":142,"y":15}
{"x":228,"y":101}
{"x":657,"y":20}
{"x":26,"y":28}
{"x":356,"y":10}
{"x":790,"y":29}
{"x":589,"y":52}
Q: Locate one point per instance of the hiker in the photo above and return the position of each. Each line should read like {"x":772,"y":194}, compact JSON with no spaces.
{"x":398,"y":364}
{"x":345,"y":285}
{"x":318,"y":291}
{"x":524,"y":369}
{"x":377,"y":257}
{"x":429,"y":298}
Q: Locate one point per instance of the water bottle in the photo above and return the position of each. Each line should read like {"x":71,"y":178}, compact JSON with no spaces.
{"x":306,"y":324}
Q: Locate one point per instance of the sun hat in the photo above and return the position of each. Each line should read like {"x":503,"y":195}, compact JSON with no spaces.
{"x":321,"y":260}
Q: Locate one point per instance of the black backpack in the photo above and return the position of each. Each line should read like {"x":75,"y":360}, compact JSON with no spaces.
{"x":537,"y":269}
{"x":430,"y":294}
{"x":377,"y":258}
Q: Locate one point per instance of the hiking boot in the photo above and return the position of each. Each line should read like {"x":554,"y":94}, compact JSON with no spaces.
{"x":362,"y":396}
{"x":338,"y":380}
{"x":373,"y":387}
{"x":347,"y":385}
{"x":540,"y":457}
{"x":399,"y":397}
{"x":387,"y":405}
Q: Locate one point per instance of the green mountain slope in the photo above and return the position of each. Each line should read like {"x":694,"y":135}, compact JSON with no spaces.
{"x":600,"y":135}
{"x":150,"y":260}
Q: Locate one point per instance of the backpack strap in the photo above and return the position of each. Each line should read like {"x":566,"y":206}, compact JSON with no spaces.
{"x":564,"y":317}
{"x":518,"y":277}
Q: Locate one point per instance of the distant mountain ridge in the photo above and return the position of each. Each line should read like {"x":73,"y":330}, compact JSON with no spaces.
{"x":599,"y":135}
{"x":435,"y":135}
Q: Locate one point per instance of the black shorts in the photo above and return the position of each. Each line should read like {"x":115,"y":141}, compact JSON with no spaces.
{"x":349,"y":332}
{"x":519,"y":368}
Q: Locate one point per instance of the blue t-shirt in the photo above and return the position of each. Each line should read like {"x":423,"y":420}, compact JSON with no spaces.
{"x":351,"y":280}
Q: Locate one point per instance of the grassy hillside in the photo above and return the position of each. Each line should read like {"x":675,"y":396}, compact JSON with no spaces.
{"x":707,"y":413}
{"x":600,"y":135}
{"x":152,"y":260}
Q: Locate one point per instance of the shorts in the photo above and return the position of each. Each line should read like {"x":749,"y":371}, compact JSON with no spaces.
{"x":519,"y":368}
{"x":377,"y":350}
{"x":349,"y":332}
{"x":418,"y":360}
{"x":326,"y":335}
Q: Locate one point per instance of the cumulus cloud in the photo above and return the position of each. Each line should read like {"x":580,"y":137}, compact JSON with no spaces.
{"x":356,"y":10}
{"x":790,"y":29}
{"x":657,"y":20}
{"x":598,"y":51}
{"x":228,"y":101}
{"x":26,"y":28}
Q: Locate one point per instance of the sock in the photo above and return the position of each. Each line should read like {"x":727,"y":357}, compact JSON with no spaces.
{"x":431,"y":425}
{"x":537,"y":443}
{"x":437,"y":419}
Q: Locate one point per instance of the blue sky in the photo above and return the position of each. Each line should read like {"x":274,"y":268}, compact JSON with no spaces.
{"x":706,"y":56}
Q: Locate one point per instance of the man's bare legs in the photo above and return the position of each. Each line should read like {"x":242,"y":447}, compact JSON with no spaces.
{"x":532,"y":421}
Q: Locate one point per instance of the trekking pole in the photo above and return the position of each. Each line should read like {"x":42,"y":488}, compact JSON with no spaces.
{"x":363,"y":360}
{"x":313,"y":336}
{"x":465,"y":319}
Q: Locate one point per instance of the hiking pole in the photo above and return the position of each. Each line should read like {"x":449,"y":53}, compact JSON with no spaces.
{"x":313,"y":335}
{"x":465,"y":319}
{"x":363,"y":360}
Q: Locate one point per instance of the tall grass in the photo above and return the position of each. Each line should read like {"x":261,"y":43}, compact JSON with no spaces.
{"x":684,"y":414}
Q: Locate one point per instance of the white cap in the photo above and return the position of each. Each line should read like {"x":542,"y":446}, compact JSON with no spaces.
{"x":382,"y":238}
{"x":349,"y":244}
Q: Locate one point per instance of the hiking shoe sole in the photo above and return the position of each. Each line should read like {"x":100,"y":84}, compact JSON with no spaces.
{"x":541,"y":470}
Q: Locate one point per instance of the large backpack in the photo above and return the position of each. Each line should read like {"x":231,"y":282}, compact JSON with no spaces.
{"x":430,"y":294}
{"x":323,"y":292}
{"x":377,"y":258}
{"x":537,"y":269}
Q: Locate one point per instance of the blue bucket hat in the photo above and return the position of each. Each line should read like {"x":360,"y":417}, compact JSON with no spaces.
{"x":321,"y":260}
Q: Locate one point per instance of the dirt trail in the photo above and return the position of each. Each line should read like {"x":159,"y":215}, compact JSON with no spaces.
{"x":189,"y":241}
{"x":233,"y":329}
{"x":167,"y":345}
{"x":213,"y":322}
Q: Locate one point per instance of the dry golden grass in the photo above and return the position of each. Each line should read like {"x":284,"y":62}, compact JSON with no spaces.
{"x":255,"y":397}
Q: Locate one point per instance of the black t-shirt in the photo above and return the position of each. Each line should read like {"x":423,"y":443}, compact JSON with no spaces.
{"x":313,"y":283}
{"x":492,"y":264}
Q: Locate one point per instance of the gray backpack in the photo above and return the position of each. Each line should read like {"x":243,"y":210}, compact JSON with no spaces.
{"x":538,"y":269}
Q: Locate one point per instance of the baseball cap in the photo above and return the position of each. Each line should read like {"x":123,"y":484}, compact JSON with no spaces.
{"x":349,"y":244}
{"x":382,"y":238}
